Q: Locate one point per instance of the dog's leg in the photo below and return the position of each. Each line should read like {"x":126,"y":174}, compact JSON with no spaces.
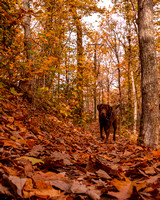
{"x":107,"y":131}
{"x":115,"y":128}
{"x":101,"y":130}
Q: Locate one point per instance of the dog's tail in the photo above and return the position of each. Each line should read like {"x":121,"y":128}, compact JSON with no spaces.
{"x":116,"y":106}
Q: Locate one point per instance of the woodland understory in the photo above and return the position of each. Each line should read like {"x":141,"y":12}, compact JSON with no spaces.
{"x":44,"y":156}
{"x":56,"y":66}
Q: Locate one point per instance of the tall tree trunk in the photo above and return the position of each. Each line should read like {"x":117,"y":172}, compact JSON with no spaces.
{"x":108,"y":86}
{"x":133,"y":84}
{"x":27,"y":83}
{"x":119,"y":84}
{"x":95,"y":84}
{"x":79,"y":62}
{"x":135,"y":103}
{"x":149,"y":126}
{"x":27,"y":29}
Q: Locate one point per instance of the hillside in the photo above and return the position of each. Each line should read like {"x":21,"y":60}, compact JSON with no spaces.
{"x":44,"y":156}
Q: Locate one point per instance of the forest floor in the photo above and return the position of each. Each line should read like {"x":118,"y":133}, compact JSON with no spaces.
{"x":43,"y":156}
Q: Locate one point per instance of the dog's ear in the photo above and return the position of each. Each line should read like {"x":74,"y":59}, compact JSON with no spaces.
{"x":98,"y":106}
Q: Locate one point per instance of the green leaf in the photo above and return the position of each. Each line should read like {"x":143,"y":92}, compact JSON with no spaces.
{"x":13,"y":91}
{"x":33,"y":160}
{"x":2,"y":85}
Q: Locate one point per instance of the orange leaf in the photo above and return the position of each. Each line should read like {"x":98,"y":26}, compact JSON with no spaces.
{"x":125,"y":189}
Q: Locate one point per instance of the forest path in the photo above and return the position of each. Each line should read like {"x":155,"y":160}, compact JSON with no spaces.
{"x":55,"y":158}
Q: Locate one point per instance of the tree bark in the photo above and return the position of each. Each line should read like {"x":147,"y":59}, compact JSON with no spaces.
{"x":27,"y":29}
{"x":135,"y":103}
{"x":79,"y":62}
{"x":149,"y":125}
{"x":27,"y":83}
{"x":133,"y":83}
{"x":119,"y":84}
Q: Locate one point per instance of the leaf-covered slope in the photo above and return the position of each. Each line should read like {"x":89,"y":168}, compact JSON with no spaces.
{"x":46,"y":157}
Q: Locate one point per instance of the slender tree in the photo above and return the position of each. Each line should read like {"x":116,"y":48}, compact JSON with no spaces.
{"x":27,"y":29}
{"x":149,"y":125}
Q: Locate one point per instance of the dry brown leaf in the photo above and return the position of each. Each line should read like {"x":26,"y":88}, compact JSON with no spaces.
{"x":17,"y":183}
{"x":36,"y":150}
{"x":150,"y":171}
{"x":61,"y":156}
{"x":93,"y":195}
{"x":107,"y":158}
{"x":64,"y":185}
{"x":28,"y":169}
{"x":28,"y":185}
{"x":4,"y":190}
{"x":10,"y":170}
{"x":78,"y":188}
{"x":48,"y":176}
{"x":156,"y":153}
{"x":42,"y":190}
{"x":154,"y":180}
{"x":125,"y":189}
{"x":7,"y":143}
{"x":10,"y":119}
{"x":11,"y":126}
{"x":102,"y":174}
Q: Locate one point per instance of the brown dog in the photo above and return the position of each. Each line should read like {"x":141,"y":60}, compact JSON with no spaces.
{"x":107,"y":118}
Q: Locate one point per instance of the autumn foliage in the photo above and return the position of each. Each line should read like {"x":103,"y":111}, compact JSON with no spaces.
{"x":55,"y":67}
{"x":44,"y":156}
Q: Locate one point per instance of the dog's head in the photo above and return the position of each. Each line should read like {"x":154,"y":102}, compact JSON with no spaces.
{"x":105,"y":110}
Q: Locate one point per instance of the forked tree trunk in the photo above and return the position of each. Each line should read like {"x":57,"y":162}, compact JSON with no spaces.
{"x":149,"y":126}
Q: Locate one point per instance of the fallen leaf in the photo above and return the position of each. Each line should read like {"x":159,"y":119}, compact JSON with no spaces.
{"x":7,"y":143}
{"x":17,"y":183}
{"x":42,"y":190}
{"x":36,"y":150}
{"x":102,"y":174}
{"x":5,"y":190}
{"x":125,"y":189}
{"x":28,"y":169}
{"x":150,"y":171}
{"x":64,"y":185}
{"x":33,"y":160}
{"x":78,"y":188}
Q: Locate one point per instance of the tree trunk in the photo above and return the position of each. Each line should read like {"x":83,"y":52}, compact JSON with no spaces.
{"x":149,"y":125}
{"x":135,"y":103}
{"x":27,"y":29}
{"x":79,"y":62}
{"x":95,"y":84}
{"x":119,"y":85}
{"x":27,"y":83}
{"x":133,"y":84}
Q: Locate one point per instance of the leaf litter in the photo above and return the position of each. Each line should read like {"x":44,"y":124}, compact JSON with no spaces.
{"x":43,"y":156}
